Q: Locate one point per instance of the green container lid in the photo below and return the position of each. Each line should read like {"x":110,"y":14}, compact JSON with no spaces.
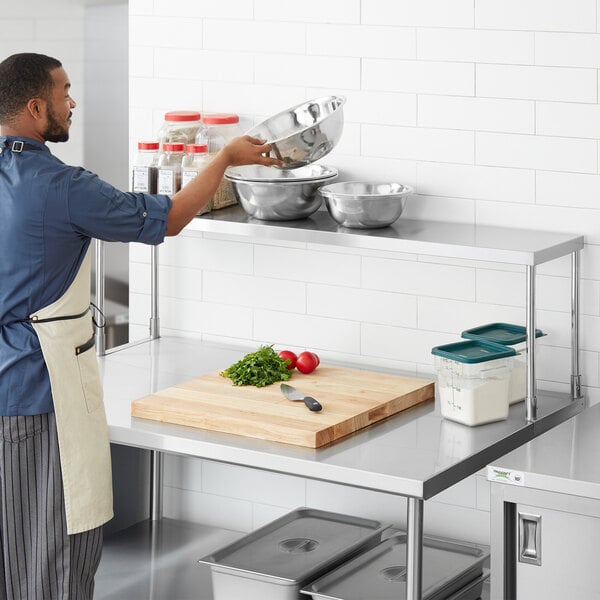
{"x":473,"y":351}
{"x":500,"y":333}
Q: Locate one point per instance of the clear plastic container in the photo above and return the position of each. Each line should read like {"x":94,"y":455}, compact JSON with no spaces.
{"x":194,"y":161}
{"x":180,"y":126}
{"x":513,"y":336}
{"x":169,"y":168}
{"x":144,"y":177}
{"x":218,"y":129}
{"x":474,"y":381}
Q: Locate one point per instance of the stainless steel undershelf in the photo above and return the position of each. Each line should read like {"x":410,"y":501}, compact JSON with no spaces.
{"x":140,"y":563}
{"x":430,"y":238}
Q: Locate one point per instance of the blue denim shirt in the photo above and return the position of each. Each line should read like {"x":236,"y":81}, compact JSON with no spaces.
{"x":49,"y":211}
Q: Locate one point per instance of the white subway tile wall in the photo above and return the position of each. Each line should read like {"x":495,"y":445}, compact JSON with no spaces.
{"x":489,"y":109}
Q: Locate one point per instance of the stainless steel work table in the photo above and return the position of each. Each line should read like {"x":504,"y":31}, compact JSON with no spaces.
{"x":416,"y":454}
{"x":410,"y":454}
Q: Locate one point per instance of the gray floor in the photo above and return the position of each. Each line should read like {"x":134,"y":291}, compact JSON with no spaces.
{"x":131,"y":570}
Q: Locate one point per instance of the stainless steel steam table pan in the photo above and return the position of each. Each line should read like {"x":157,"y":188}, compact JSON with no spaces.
{"x":276,"y":560}
{"x":450,"y":570}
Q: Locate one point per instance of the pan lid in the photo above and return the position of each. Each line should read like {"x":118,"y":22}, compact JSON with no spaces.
{"x":380,"y":572}
{"x":295,"y":547}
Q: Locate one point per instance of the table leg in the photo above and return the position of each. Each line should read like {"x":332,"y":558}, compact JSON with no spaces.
{"x":156,"y":472}
{"x":575,"y":375}
{"x":530,"y":400}
{"x":414,"y":548}
{"x":154,"y":313}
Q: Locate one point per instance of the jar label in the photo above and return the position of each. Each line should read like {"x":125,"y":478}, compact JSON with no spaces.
{"x":167,"y":181}
{"x":144,"y":180}
{"x":187,"y":176}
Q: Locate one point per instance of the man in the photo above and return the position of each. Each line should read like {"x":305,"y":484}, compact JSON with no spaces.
{"x":55,"y":480}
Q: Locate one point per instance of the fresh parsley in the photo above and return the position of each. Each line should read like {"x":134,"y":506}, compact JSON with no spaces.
{"x":259,"y":368}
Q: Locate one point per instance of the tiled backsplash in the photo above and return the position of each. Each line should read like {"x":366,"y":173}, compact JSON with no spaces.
{"x":490,"y":109}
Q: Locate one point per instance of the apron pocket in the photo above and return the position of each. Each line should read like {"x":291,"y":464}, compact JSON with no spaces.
{"x":88,"y":373}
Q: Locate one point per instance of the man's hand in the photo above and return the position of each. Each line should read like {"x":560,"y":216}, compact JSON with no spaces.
{"x":246,"y":150}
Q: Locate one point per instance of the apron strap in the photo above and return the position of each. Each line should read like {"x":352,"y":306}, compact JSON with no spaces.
{"x":18,"y":146}
{"x":35,"y":319}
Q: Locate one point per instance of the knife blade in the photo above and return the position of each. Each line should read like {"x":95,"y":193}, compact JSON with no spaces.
{"x":291,"y":393}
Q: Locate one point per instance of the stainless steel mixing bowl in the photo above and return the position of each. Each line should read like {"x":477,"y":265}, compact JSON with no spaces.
{"x":276,"y":195}
{"x":365,"y":205}
{"x":304,"y":133}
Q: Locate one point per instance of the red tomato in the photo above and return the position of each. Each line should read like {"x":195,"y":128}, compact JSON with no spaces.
{"x":317,"y":357}
{"x":289,"y":355}
{"x":307,"y":362}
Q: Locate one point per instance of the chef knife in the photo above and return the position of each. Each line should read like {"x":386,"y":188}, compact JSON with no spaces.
{"x":291,"y":393}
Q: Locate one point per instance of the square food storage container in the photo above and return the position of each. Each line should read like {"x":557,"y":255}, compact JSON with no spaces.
{"x":276,"y":560}
{"x":514,"y":336}
{"x":474,"y":380}
{"x":450,"y":570}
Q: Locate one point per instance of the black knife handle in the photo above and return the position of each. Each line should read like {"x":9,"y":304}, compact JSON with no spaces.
{"x":312,"y":403}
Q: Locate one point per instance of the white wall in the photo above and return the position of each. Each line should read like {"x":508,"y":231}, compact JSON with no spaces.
{"x":490,"y":109}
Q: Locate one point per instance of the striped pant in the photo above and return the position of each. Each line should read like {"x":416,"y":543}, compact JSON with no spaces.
{"x":39,"y":560}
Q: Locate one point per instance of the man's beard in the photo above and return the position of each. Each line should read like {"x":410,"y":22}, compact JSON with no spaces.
{"x":55,"y":132}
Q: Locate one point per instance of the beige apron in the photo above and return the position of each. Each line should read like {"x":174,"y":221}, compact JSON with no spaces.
{"x":68,"y":349}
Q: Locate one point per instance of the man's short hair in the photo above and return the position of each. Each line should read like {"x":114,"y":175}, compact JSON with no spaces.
{"x":22,"y":77}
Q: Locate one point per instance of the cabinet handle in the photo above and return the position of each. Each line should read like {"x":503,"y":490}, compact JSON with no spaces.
{"x":530,"y":539}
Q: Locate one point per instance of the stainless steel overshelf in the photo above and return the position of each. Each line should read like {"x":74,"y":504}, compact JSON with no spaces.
{"x":416,"y":453}
{"x":431,"y":238}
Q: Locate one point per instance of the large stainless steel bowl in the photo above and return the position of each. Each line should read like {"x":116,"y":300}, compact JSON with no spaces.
{"x":275,"y":195}
{"x":365,"y":205}
{"x":304,"y":133}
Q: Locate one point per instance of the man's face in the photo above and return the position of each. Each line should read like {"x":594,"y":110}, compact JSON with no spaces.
{"x":59,"y":106}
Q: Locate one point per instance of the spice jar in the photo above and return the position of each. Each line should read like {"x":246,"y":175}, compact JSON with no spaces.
{"x":169,"y":168}
{"x":144,"y":175}
{"x":193,"y":162}
{"x":180,"y":126}
{"x":220,"y":128}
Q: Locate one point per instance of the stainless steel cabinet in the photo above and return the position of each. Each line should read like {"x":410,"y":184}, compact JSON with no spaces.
{"x":544,"y":544}
{"x":545,"y":515}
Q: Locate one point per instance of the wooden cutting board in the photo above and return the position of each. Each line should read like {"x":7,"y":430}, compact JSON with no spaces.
{"x":351,"y":399}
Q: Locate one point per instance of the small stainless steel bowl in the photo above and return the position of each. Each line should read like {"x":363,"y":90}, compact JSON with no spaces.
{"x":275,"y":195}
{"x":304,"y":133}
{"x":365,"y":205}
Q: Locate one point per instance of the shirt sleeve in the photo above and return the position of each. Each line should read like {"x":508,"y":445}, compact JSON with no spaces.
{"x":99,"y":210}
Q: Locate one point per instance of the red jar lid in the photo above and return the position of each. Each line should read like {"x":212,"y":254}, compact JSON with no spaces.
{"x":196,"y":148}
{"x":220,"y":119}
{"x":148,"y":145}
{"x":173,"y":147}
{"x":182,"y":115}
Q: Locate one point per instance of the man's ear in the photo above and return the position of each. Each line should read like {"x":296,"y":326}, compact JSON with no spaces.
{"x":35,"y":107}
